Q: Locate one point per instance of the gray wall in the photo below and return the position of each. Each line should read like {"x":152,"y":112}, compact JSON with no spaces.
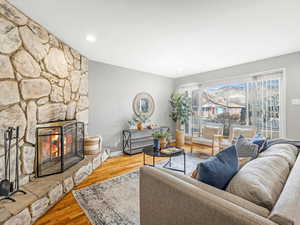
{"x":111,"y":92}
{"x":290,"y":62}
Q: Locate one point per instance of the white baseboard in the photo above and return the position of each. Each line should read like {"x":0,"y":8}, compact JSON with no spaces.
{"x":116,"y":153}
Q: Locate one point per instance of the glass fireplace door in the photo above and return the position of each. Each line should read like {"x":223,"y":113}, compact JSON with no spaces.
{"x":73,"y":148}
{"x":50,"y":147}
{"x":60,"y":145}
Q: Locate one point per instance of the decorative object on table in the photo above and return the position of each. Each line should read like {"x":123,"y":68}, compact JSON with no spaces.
{"x":149,"y":151}
{"x":161,"y":139}
{"x":156,"y":140}
{"x":181,"y":111}
{"x":143,"y":104}
{"x":218,"y":170}
{"x":165,"y":138}
{"x":152,"y":126}
{"x":132,"y":123}
{"x":135,"y":140}
{"x":170,"y":150}
{"x":92,"y":145}
{"x":163,"y":142}
{"x":141,"y":120}
{"x":140,"y":126}
{"x":9,"y":187}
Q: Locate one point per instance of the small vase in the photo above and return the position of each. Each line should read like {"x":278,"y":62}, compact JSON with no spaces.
{"x":140,"y":126}
{"x":156,"y":144}
{"x":163,"y":143}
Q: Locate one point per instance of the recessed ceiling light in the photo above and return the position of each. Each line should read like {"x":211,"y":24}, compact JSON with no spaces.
{"x":180,"y":69}
{"x":90,"y":38}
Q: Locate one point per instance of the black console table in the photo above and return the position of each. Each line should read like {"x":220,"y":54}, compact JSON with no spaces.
{"x":135,"y":140}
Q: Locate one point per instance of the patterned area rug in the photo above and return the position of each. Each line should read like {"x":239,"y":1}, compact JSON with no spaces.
{"x":116,"y":201}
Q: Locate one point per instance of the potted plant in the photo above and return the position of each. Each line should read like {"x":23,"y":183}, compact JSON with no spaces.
{"x":156,"y":139}
{"x":165,"y":136}
{"x":181,"y":110}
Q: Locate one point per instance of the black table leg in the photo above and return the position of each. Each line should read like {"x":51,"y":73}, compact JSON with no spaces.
{"x":184,"y":163}
{"x":153,"y":161}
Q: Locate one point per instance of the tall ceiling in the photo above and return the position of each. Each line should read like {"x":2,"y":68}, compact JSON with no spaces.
{"x":172,"y":37}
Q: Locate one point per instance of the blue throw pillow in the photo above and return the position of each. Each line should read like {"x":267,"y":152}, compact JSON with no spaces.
{"x":259,"y":140}
{"x":265,"y":145}
{"x":218,"y":170}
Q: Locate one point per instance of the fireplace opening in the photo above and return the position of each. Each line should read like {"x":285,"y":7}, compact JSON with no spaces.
{"x":60,"y":145}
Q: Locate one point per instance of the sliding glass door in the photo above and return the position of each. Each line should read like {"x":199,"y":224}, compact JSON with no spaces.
{"x":263,"y":106}
{"x":252,"y":101}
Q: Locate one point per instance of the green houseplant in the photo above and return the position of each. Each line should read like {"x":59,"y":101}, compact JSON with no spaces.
{"x":181,"y":110}
{"x":156,"y":139}
{"x":160,"y":139}
{"x":165,"y":137}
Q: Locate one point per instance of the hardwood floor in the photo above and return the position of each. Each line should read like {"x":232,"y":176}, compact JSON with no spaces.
{"x":68,"y":212}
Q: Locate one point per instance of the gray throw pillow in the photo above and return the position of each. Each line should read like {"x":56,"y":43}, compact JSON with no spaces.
{"x":245,"y":148}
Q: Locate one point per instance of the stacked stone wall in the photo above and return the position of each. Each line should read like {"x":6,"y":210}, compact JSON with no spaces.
{"x":41,"y":80}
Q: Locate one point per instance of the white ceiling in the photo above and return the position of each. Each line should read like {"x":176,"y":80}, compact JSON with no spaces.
{"x":172,"y":37}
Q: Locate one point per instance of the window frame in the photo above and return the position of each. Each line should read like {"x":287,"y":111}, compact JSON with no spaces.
{"x":276,"y":73}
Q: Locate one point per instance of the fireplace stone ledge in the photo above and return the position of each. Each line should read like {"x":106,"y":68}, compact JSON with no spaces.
{"x":22,"y":201}
{"x":52,"y":187}
{"x":4,"y":214}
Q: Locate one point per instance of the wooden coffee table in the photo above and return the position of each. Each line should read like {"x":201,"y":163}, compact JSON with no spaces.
{"x":150,"y":151}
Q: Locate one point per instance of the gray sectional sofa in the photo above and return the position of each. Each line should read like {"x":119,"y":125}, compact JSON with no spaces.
{"x":266,"y":191}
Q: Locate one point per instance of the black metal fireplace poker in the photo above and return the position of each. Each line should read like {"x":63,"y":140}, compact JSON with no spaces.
{"x":7,"y":187}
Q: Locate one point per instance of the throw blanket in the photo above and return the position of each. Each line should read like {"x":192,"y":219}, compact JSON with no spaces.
{"x":283,"y":141}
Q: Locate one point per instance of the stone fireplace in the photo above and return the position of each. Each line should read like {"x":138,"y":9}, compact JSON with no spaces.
{"x":60,"y":145}
{"x":42,"y":80}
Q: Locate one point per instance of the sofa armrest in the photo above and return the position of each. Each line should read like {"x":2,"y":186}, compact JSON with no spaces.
{"x":167,"y":200}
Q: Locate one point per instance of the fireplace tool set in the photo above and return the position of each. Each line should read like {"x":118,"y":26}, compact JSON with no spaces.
{"x":8,"y":186}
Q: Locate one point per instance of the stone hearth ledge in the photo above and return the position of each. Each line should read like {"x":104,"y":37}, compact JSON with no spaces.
{"x":43,"y":193}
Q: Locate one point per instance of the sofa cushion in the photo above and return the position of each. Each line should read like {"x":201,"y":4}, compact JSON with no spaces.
{"x":243,"y":161}
{"x":259,"y":140}
{"x":222,"y":194}
{"x":286,"y":209}
{"x":245,"y":148}
{"x":261,"y":180}
{"x":286,"y":151}
{"x":218,"y":170}
{"x":165,"y":200}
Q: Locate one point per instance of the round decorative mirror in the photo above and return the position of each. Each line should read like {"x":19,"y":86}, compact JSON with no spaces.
{"x":143,"y":104}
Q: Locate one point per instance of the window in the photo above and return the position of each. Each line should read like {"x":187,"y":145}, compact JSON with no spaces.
{"x":255,"y":101}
